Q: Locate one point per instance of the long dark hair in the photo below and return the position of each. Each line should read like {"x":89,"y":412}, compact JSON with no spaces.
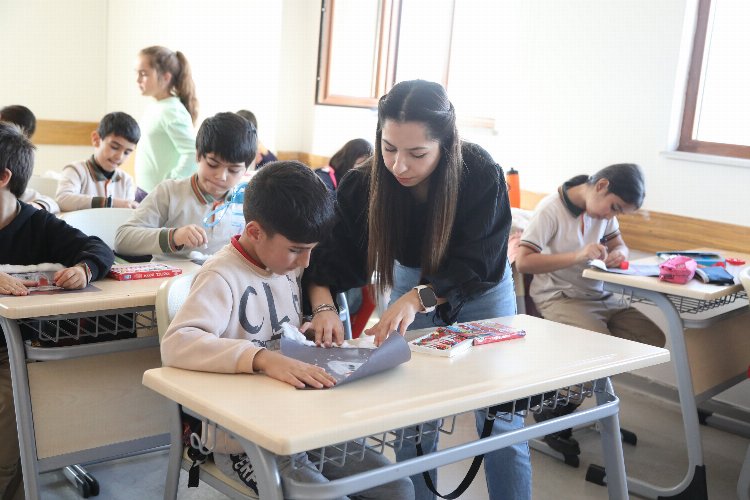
{"x":176,"y":64}
{"x":344,"y":159}
{"x":625,"y":180}
{"x":426,"y":103}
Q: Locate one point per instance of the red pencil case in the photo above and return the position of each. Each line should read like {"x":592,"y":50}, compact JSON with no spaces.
{"x":678,"y":269}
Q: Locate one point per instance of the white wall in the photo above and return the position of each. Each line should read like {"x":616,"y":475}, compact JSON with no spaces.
{"x":582,"y":85}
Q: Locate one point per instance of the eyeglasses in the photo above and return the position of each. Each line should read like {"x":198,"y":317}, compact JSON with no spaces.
{"x":237,"y":195}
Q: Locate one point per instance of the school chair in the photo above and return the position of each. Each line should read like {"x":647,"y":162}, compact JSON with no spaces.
{"x":101,"y":222}
{"x":46,"y":186}
{"x":169,"y":298}
{"x":362,"y":316}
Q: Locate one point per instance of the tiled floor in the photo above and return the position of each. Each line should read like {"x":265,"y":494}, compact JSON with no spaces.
{"x":659,"y":457}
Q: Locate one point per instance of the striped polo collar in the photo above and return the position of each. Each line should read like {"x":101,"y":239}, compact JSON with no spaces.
{"x":97,"y":172}
{"x":203,"y":197}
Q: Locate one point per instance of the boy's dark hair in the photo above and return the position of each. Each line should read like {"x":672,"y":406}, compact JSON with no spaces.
{"x":229,"y":136}
{"x":17,"y":156}
{"x":249,"y":116}
{"x":286,"y":197}
{"x":119,"y":123}
{"x":21,"y":116}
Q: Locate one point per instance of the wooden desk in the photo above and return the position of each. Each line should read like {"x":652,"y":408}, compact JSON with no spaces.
{"x":706,"y":362}
{"x":84,"y":402}
{"x":276,"y":419}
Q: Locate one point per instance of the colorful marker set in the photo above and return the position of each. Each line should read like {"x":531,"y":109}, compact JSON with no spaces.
{"x":450,"y":340}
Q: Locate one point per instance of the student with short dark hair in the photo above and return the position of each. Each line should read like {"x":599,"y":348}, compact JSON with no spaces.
{"x":264,"y":155}
{"x":29,"y":237}
{"x":224,"y":328}
{"x":99,"y":182}
{"x":24,"y":118}
{"x":168,"y":223}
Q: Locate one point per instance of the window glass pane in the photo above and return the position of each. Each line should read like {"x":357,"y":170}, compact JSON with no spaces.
{"x":723,"y":108}
{"x":354,"y":45}
{"x":424,"y":40}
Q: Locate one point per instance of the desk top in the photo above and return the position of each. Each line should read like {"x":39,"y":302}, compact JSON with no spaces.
{"x":694,"y":289}
{"x":285,"y":420}
{"x":111,"y":294}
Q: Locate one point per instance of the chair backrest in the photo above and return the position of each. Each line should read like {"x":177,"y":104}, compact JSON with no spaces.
{"x":43,"y":185}
{"x":169,"y":298}
{"x":101,"y":222}
{"x":745,"y":279}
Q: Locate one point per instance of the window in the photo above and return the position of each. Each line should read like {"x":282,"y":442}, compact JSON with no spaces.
{"x":367,"y":46}
{"x":716,"y":117}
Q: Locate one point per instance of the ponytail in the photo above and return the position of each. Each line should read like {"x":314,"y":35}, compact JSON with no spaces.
{"x":185,"y":86}
{"x":176,"y":64}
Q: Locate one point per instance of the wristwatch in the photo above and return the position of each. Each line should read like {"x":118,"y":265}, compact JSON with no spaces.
{"x":427,"y":298}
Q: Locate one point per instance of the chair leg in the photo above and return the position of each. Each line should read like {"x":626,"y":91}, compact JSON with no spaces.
{"x":175,"y":453}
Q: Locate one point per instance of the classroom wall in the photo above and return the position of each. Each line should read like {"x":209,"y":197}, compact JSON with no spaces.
{"x":75,"y":60}
{"x":582,"y":85}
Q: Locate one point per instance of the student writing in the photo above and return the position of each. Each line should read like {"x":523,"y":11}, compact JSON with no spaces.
{"x":99,"y":181}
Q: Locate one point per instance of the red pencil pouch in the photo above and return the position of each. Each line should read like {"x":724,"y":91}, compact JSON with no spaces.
{"x":678,"y":269}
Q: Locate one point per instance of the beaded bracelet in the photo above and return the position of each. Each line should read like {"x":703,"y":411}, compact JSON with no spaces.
{"x":325,"y":307}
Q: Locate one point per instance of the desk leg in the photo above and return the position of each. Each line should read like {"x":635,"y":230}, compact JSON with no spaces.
{"x":175,"y":452}
{"x":22,"y":401}
{"x":693,"y":485}
{"x":266,"y":470}
{"x":612,"y":449}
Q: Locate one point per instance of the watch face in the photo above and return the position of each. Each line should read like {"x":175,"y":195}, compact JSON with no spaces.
{"x":428,"y":297}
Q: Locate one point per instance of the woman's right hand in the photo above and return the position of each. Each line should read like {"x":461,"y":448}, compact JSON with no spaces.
{"x":328,"y":328}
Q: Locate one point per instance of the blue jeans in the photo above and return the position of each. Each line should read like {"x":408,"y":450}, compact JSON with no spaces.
{"x":508,"y":470}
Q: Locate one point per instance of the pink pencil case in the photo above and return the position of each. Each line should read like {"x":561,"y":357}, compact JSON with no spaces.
{"x":678,"y":269}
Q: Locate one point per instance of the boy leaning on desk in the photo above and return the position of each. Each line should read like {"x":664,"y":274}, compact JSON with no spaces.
{"x":231,"y":320}
{"x":27,"y":237}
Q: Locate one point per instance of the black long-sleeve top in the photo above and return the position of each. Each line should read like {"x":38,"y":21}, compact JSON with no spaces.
{"x":477,"y":252}
{"x":36,"y":236}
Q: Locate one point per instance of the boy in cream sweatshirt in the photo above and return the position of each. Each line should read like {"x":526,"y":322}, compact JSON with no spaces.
{"x":231,"y":320}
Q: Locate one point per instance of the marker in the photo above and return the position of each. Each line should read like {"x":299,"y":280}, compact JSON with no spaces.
{"x":624,"y":264}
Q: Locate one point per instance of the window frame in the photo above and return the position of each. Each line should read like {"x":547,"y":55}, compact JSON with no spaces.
{"x":686,"y":142}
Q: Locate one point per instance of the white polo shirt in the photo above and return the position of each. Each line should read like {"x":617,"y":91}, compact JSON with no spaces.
{"x":558,"y":226}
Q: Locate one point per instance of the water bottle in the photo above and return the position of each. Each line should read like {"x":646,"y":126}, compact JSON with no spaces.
{"x":514,"y":188}
{"x":236,"y":202}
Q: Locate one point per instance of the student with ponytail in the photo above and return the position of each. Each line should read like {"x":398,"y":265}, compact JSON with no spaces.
{"x":167,"y":147}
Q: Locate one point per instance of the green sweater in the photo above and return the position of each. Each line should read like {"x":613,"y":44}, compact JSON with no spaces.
{"x":167,"y":146}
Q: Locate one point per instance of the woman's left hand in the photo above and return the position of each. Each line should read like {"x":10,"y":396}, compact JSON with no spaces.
{"x":397,"y":317}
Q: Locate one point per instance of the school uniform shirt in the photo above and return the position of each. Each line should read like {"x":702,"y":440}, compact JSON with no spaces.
{"x":558,"y":226}
{"x":171,"y":205}
{"x":167,"y":146}
{"x":33,"y":196}
{"x":234,"y":306}
{"x":86,"y":185}
{"x":477,"y":253}
{"x":36,"y":237}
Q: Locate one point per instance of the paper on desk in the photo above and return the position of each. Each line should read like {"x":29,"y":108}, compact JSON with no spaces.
{"x":347,"y":365}
{"x":632,"y":270}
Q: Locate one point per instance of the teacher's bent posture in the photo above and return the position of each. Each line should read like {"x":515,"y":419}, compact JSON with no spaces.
{"x":428,"y":216}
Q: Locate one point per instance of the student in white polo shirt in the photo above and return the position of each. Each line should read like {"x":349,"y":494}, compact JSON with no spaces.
{"x":568,"y":229}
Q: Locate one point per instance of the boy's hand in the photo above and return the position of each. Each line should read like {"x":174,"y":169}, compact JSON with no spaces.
{"x":397,"y":317}
{"x":615,"y":258}
{"x":327,"y":327}
{"x":291,"y":371}
{"x":592,"y":251}
{"x":71,"y":278}
{"x":190,"y":236}
{"x":124,"y":203}
{"x":13,"y":286}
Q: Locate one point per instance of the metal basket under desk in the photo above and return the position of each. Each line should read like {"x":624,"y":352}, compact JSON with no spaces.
{"x":687,"y":305}
{"x":87,"y":333}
